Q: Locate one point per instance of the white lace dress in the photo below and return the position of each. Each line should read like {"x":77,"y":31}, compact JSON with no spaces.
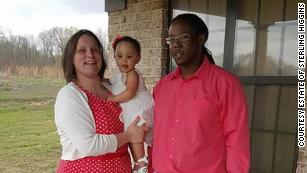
{"x":141,"y":105}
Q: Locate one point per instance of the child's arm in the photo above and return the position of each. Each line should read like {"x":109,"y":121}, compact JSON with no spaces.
{"x":132,"y":87}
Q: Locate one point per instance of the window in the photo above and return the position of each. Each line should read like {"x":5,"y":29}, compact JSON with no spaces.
{"x":265,"y":58}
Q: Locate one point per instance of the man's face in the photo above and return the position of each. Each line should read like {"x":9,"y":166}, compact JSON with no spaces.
{"x":184,"y":46}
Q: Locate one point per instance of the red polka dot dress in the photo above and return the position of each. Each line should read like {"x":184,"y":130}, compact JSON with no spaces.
{"x":106,"y":115}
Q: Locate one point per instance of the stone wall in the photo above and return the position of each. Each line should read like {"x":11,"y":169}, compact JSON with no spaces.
{"x":145,"y":20}
{"x":302,"y":160}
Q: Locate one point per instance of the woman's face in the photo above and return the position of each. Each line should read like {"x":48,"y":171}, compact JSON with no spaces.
{"x":185,"y":48}
{"x":87,"y":58}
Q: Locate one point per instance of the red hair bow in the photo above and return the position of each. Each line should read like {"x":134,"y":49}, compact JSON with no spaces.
{"x":117,"y":39}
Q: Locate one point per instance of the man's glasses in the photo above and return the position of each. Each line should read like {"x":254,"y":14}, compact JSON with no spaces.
{"x":181,"y":38}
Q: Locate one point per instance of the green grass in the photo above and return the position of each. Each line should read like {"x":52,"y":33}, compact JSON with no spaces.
{"x":28,"y":138}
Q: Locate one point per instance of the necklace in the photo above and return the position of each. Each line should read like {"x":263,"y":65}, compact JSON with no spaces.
{"x":99,"y":91}
{"x":102,"y":92}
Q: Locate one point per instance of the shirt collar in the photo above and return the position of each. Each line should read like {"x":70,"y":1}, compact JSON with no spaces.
{"x":200,"y":73}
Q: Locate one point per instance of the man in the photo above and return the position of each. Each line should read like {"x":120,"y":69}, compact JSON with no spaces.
{"x":200,"y":115}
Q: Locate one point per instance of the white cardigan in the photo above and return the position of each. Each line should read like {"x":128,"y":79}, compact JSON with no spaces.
{"x":76,"y":126}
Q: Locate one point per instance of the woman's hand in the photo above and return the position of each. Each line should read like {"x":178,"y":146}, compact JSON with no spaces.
{"x":136,"y":134}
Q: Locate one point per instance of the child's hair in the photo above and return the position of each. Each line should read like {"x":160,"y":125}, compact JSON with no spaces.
{"x":129,"y":39}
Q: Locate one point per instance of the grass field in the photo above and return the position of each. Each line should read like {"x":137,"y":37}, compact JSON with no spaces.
{"x":28,"y":139}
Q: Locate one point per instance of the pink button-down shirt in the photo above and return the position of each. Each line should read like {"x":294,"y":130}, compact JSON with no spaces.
{"x":201,"y":123}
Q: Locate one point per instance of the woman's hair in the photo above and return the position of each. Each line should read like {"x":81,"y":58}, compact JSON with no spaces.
{"x":129,"y":39}
{"x":198,"y":27}
{"x":69,"y":53}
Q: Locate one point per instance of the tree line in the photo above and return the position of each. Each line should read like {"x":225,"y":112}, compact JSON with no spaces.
{"x":46,"y":49}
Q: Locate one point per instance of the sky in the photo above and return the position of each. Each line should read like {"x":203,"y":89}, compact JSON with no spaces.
{"x":30,"y":17}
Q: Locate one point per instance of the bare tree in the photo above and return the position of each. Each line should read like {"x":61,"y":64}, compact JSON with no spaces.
{"x":3,"y":47}
{"x":47,"y":43}
{"x":102,"y":36}
{"x":25,"y":50}
{"x":61,"y":36}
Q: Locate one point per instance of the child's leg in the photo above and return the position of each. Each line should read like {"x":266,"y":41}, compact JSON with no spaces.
{"x":141,"y":161}
{"x":137,"y":151}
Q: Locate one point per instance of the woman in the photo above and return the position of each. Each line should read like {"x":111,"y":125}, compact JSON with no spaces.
{"x":89,"y":127}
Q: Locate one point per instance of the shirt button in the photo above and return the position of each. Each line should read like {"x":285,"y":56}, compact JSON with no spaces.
{"x":176,"y":120}
{"x":170,"y":156}
{"x":179,"y":101}
{"x":173,"y":138}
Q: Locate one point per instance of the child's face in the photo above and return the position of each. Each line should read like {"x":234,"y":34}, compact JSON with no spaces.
{"x":126,"y":56}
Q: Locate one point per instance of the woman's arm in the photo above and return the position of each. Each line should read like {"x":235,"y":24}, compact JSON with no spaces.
{"x":74,"y":119}
{"x":132,"y":87}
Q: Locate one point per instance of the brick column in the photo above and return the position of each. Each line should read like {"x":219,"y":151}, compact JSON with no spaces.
{"x":145,"y":20}
{"x":302,"y":160}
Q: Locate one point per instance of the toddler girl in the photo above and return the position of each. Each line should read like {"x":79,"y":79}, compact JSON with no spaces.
{"x":129,"y":90}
